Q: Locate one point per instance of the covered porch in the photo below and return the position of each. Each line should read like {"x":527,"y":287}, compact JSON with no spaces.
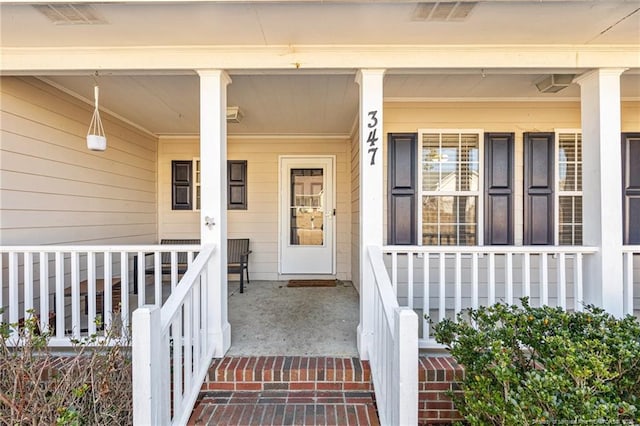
{"x":465,"y":221}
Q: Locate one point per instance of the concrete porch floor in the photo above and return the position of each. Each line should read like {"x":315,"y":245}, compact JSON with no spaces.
{"x":270,"y":319}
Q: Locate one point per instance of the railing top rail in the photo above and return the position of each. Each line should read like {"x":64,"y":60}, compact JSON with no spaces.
{"x":631,"y":249}
{"x":177,"y":297}
{"x":101,"y":248}
{"x":383,"y":283}
{"x":490,"y":249}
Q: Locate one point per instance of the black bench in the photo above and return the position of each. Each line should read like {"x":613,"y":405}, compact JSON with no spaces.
{"x":237,"y":263}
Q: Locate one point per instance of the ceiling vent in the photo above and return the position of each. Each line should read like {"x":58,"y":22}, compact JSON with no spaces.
{"x":442,"y":11}
{"x":70,"y":14}
{"x":554,"y":83}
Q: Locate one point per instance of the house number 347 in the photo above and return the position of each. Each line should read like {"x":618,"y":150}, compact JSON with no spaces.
{"x":372,"y":139}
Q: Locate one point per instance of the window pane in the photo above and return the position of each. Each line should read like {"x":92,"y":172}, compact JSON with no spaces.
{"x":449,"y":220}
{"x":579,"y":177}
{"x":570,"y":226}
{"x":570,"y":161}
{"x":430,"y":210}
{"x":450,"y":162}
{"x":566,"y":235}
{"x":468,"y":236}
{"x":430,"y":176}
{"x":307,"y":212}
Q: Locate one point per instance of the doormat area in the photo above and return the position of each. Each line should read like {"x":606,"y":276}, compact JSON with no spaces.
{"x":311,"y":283}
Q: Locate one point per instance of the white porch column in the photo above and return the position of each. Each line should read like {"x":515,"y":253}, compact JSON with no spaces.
{"x":601,"y":183}
{"x":213,"y":197}
{"x":371,"y":181}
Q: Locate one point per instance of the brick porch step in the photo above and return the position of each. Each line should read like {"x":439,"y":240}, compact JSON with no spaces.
{"x":286,"y":390}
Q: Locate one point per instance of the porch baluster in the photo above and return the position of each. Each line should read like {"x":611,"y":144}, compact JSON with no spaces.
{"x":426,"y":306}
{"x":60,"y":314}
{"x":577,"y":283}
{"x":562,"y":281}
{"x":508,"y":277}
{"x":44,"y":290}
{"x":13,"y":288}
{"x":544,"y":280}
{"x":410,"y":279}
{"x":91,"y":291}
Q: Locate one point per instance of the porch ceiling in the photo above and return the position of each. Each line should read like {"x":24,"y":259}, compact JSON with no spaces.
{"x":268,"y":23}
{"x":298,"y":104}
{"x":306,"y":101}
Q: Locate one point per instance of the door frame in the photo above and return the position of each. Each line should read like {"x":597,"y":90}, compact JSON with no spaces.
{"x":281,"y":160}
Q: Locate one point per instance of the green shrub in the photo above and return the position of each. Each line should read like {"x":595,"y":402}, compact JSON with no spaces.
{"x":90,"y":386}
{"x":527,"y":365}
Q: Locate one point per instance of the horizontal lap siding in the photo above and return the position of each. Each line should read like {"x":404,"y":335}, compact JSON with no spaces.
{"x":355,"y":211}
{"x":260,"y":221}
{"x":53,"y":190}
{"x":517,"y":117}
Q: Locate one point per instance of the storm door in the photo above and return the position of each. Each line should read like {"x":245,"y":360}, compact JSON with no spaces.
{"x":307,"y":215}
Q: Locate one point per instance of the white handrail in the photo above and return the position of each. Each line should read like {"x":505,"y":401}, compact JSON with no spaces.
{"x":172,"y":348}
{"x":393,"y":353}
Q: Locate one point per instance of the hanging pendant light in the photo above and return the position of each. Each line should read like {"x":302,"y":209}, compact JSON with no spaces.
{"x":96,"y":139}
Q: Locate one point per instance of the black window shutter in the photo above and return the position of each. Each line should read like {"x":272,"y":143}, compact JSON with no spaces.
{"x":538,"y":188}
{"x":181,"y":191}
{"x":402,"y":189}
{"x":236,"y":184}
{"x":499,"y":182}
{"x":631,"y":187}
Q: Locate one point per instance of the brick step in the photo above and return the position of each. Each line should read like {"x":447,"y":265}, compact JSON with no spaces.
{"x":258,"y":373}
{"x":286,"y":390}
{"x":285,"y":408}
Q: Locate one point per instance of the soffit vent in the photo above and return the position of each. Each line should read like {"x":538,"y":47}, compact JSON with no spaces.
{"x":442,"y":11}
{"x":70,"y":14}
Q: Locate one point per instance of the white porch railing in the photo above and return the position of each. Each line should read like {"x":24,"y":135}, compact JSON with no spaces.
{"x":441,"y":281}
{"x":172,"y":349}
{"x":631,"y":255}
{"x":69,"y":287}
{"x":393,"y":354}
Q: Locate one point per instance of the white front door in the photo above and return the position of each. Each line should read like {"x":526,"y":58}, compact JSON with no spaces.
{"x":307,"y":215}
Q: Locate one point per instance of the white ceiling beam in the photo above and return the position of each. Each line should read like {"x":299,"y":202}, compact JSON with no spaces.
{"x":18,"y":59}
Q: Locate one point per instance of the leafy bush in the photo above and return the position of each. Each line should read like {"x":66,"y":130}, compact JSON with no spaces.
{"x":91,"y":386}
{"x":527,"y":365}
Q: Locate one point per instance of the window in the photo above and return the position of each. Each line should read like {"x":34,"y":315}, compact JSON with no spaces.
{"x":449,"y":187}
{"x":185,"y":184}
{"x":196,"y":183}
{"x":569,"y":190}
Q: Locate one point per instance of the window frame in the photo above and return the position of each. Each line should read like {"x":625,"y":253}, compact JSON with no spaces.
{"x":479,"y":193}
{"x":196,"y":183}
{"x":557,"y":192}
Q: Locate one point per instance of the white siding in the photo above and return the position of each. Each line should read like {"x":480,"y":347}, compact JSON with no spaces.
{"x":260,"y":221}
{"x":355,"y":211}
{"x":53,"y":190}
